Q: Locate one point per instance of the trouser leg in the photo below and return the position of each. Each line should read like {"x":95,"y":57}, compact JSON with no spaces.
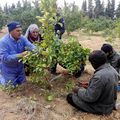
{"x":70,"y":101}
{"x":78,"y":74}
{"x":53,"y":68}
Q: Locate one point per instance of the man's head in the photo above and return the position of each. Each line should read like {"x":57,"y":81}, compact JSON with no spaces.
{"x":58,"y":12}
{"x":97,"y":58}
{"x":108,"y":49}
{"x":15,"y":29}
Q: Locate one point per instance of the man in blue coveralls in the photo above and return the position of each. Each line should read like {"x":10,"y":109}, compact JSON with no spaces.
{"x":12,"y":49}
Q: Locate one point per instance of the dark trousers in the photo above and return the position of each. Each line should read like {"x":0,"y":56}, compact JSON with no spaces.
{"x":27,"y":69}
{"x":53,"y":68}
{"x":70,"y":101}
{"x":86,"y":107}
{"x":78,"y":74}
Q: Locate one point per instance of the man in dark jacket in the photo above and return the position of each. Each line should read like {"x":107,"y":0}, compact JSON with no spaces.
{"x":60,"y":25}
{"x":112,"y":56}
{"x":59,"y":30}
{"x":100,"y":96}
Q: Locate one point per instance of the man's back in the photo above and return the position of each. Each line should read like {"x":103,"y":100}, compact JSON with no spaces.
{"x":101,"y":93}
{"x":109,"y":79}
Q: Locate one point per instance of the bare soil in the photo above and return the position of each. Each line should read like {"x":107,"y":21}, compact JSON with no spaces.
{"x":28,"y":102}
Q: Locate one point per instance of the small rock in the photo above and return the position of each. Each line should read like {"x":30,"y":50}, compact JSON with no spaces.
{"x":73,"y":119}
{"x":48,"y":106}
{"x":117,"y":115}
{"x":117,"y":105}
{"x":91,"y":117}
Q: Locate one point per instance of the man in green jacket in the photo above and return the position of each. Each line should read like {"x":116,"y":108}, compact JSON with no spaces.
{"x":101,"y":94}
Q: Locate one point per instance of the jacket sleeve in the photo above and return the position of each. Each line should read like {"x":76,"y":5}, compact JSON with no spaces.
{"x":63,"y":25}
{"x":118,"y":62}
{"x":4,"y":54}
{"x":94,"y":90}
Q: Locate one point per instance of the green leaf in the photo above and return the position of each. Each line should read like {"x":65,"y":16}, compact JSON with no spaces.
{"x":50,"y":97}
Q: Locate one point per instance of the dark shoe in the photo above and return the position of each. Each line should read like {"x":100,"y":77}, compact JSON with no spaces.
{"x":53,"y":69}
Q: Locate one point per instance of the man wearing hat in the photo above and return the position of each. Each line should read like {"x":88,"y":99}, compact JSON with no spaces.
{"x":12,"y":49}
{"x":112,"y":56}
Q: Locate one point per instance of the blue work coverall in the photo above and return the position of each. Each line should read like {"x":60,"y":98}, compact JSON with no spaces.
{"x":12,"y":69}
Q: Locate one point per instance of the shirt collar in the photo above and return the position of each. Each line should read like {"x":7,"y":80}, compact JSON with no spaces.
{"x":102,"y":66}
{"x":13,"y":38}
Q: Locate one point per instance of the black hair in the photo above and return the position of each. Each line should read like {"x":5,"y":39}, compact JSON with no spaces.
{"x":97,"y":58}
{"x":107,"y":48}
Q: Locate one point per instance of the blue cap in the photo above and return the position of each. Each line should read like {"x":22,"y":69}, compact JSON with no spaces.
{"x":12,"y":25}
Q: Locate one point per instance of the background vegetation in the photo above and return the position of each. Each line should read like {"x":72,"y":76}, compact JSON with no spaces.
{"x":97,"y":17}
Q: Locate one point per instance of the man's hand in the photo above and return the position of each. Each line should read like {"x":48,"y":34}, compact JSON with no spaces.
{"x":75,"y":90}
{"x":58,"y":32}
{"x":83,"y":84}
{"x":23,"y":54}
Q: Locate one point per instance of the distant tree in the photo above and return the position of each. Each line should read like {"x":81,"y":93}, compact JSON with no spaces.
{"x":118,"y":11}
{"x":1,"y":8}
{"x":99,"y":24}
{"x":84,"y":7}
{"x":117,"y":27}
{"x":6,"y":9}
{"x":27,"y":18}
{"x":25,"y":13}
{"x":112,"y":8}
{"x":21,"y":11}
{"x":98,"y":10}
{"x":26,"y":5}
{"x":1,"y":19}
{"x":19,"y":5}
{"x":73,"y":17}
{"x":37,"y":7}
{"x":90,"y":8}
{"x":12,"y":8}
{"x":102,"y":9}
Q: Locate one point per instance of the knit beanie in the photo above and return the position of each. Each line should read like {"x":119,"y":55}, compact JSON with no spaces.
{"x":12,"y":25}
